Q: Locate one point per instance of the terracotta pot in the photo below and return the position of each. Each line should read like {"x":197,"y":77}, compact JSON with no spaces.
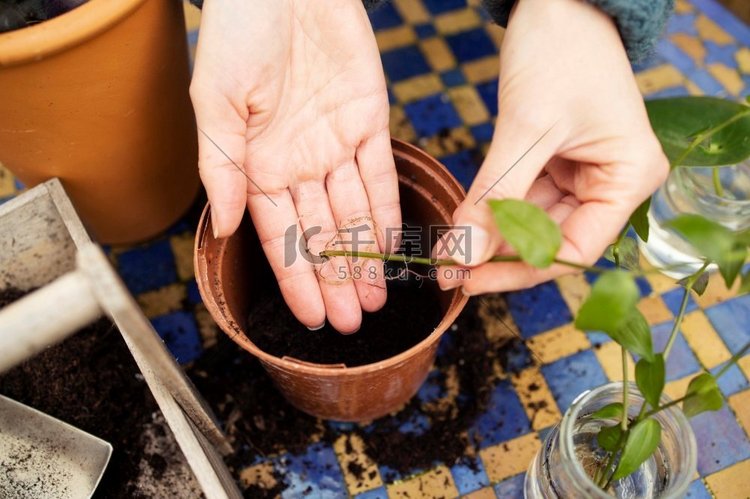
{"x":99,"y":98}
{"x":229,"y":282}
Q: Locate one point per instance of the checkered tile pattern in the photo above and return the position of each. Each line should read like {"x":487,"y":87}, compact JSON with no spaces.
{"x":440,"y":58}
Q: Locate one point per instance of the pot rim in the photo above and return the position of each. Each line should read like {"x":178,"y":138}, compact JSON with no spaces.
{"x":34,"y":43}
{"x":455,"y":307}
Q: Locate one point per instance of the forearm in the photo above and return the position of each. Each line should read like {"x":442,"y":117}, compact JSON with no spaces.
{"x":640,"y":22}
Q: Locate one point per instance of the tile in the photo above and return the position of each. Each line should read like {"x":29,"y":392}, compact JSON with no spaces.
{"x":733,"y":482}
{"x":511,"y":488}
{"x":463,"y":166}
{"x":400,"y":125}
{"x":731,"y":381}
{"x":730,"y":319}
{"x":207,"y":327}
{"x":574,"y":289}
{"x":469,"y":475}
{"x":469,"y":105}
{"x":503,"y":419}
{"x":437,"y":483}
{"x":681,"y":361}
{"x":425,"y":30}
{"x":610,"y":358}
{"x":704,"y":340}
{"x":453,"y":78}
{"x":163,"y":300}
{"x":360,"y":472}
{"x":483,"y":132}
{"x":180,"y":333}
{"x":438,"y":54}
{"x":716,"y":292}
{"x":259,"y":475}
{"x":682,"y":22}
{"x":457,"y":21}
{"x":538,"y":309}
{"x":691,"y":45}
{"x":418,"y":87}
{"x":673,"y":298}
{"x":682,"y":63}
{"x":722,"y":54}
{"x":182,"y":249}
{"x":485,"y":493}
{"x":728,"y":77}
{"x":678,"y":388}
{"x":683,"y":7}
{"x":536,"y":398}
{"x":440,"y":6}
{"x":488,"y":92}
{"x":654,"y":309}
{"x":510,"y":458}
{"x":709,"y":30}
{"x":412,"y":12}
{"x":482,"y":70}
{"x":451,"y":141}
{"x":570,"y":376}
{"x":315,"y":473}
{"x":721,"y":441}
{"x":431,"y":114}
{"x":558,"y":343}
{"x":192,"y":16}
{"x":148,"y":267}
{"x":728,"y":22}
{"x":7,"y":186}
{"x":707,"y":83}
{"x":394,"y":38}
{"x":386,"y":15}
{"x":471,"y":45}
{"x":740,"y":404}
{"x":404,"y":62}
{"x":697,"y":490}
{"x":742,"y":57}
{"x":379,"y":493}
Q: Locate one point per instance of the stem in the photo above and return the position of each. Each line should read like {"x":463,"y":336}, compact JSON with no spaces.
{"x":393,"y":257}
{"x":708,"y":133}
{"x":624,"y":421}
{"x":683,"y":306}
{"x":616,"y":244}
{"x":733,"y":360}
{"x":718,"y":188}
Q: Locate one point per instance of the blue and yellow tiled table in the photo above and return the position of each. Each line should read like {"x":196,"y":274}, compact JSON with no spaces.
{"x":440,"y":58}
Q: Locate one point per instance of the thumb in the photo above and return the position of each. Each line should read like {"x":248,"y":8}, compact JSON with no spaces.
{"x":221,"y":158}
{"x":515,"y":158}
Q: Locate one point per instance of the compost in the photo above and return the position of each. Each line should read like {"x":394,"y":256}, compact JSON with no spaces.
{"x":16,"y":14}
{"x":92,"y":382}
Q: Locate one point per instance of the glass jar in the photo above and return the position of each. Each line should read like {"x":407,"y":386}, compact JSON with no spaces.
{"x":692,"y":190}
{"x":570,"y":454}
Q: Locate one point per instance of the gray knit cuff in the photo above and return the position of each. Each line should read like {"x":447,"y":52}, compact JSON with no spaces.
{"x":640,"y":22}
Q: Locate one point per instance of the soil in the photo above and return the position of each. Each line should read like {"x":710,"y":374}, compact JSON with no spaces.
{"x":408,"y":317}
{"x":262,"y":424}
{"x":92,"y":382}
{"x":16,"y":14}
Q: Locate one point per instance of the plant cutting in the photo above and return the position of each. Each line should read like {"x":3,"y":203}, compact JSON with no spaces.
{"x":627,"y":446}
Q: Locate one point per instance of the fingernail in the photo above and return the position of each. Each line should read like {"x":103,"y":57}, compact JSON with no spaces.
{"x":318,"y":328}
{"x":447,"y":286}
{"x":477,"y":242}
{"x":214,"y":224}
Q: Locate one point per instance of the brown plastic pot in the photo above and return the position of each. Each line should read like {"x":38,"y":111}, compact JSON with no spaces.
{"x":228,"y":280}
{"x":99,"y":98}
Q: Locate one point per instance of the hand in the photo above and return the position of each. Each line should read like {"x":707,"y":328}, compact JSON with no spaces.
{"x":293,"y":92}
{"x":565,"y":82}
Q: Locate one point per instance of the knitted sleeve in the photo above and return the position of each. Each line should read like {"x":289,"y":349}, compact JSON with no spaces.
{"x":640,"y":22}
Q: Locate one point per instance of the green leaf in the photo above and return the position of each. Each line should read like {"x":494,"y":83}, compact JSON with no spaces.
{"x":650,"y":376}
{"x":678,"y":121}
{"x":610,"y":303}
{"x":639,"y":219}
{"x":745,"y":283}
{"x":609,"y":411}
{"x":714,"y":241}
{"x":642,"y":441}
{"x":609,"y":437}
{"x":635,"y":335}
{"x":704,"y":395}
{"x":700,"y":284}
{"x":628,"y":253}
{"x":528,"y":229}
